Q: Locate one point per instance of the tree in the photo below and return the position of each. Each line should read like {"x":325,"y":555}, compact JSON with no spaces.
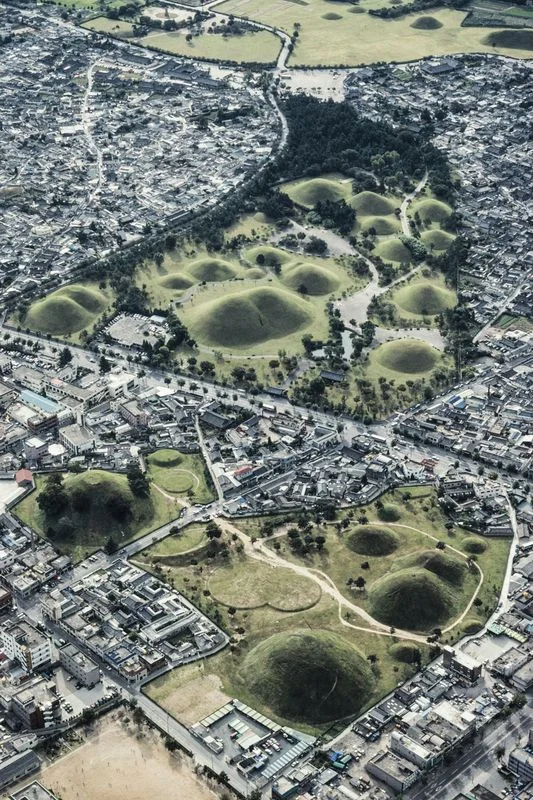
{"x":65,"y":357}
{"x":360,"y":582}
{"x":53,"y":499}
{"x":105,"y":365}
{"x":138,"y":481}
{"x":110,"y":546}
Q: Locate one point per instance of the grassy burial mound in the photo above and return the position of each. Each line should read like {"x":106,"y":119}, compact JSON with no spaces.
{"x":406,"y":356}
{"x":331,"y":16}
{"x":89,"y":508}
{"x":255,"y":585}
{"x":437,"y":239}
{"x":443,"y":565}
{"x":308,"y":192}
{"x":389,"y":512}
{"x":513,"y":39}
{"x":431,"y":210}
{"x":211,"y":270}
{"x":255,"y":273}
{"x":179,"y":473}
{"x":265,"y":255}
{"x":384,"y":226}
{"x":175,"y":282}
{"x":426,"y":24}
{"x":317,"y":280}
{"x":248,"y":317}
{"x":308,"y":676}
{"x":368,"y":540}
{"x":67,"y":310}
{"x":413,"y":599}
{"x":474,"y":545}
{"x":405,"y":652}
{"x":371,"y":204}
{"x":424,"y":298}
{"x":393,"y":250}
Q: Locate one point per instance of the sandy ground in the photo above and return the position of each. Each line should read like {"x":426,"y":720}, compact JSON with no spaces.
{"x":116,"y":763}
{"x":192,"y":701}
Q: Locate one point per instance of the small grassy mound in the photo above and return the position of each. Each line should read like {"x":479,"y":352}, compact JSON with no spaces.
{"x":413,"y":599}
{"x":389,"y":513}
{"x":67,"y":310}
{"x":474,"y":545}
{"x":177,"y":473}
{"x":393,"y":250}
{"x":316,"y":280}
{"x":308,"y":193}
{"x":176,"y":282}
{"x":426,"y":24}
{"x":267,"y":255}
{"x":308,"y":676}
{"x":424,"y":298}
{"x":331,"y":16}
{"x":256,"y":585}
{"x":370,"y":541}
{"x":513,"y":39}
{"x":212,"y":270}
{"x":246,"y":318}
{"x":372,"y":204}
{"x":442,"y":565}
{"x":384,"y":225}
{"x":405,"y":652}
{"x":255,"y":273}
{"x":434,"y":210}
{"x":356,"y":10}
{"x":165,"y":458}
{"x":440,"y":240}
{"x":409,"y":356}
{"x":471,"y":626}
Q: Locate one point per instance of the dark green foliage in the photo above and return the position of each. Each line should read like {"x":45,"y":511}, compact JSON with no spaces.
{"x":138,"y":481}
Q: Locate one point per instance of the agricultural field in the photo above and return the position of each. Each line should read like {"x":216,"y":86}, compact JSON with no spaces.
{"x":249,"y":47}
{"x":180,"y":474}
{"x":69,"y":311}
{"x":345,"y":34}
{"x":98,"y":505}
{"x":417,"y":301}
{"x":511,"y":322}
{"x":114,"y":27}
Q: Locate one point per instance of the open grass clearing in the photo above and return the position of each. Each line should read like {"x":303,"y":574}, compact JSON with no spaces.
{"x":100,"y":505}
{"x":120,"y":29}
{"x":180,"y":473}
{"x":189,"y":538}
{"x":359,"y":38}
{"x":253,"y":46}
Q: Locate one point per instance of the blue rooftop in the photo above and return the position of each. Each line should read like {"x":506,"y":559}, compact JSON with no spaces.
{"x":40,"y":402}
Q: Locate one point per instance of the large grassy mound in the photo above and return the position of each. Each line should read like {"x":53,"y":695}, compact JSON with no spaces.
{"x":442,"y":565}
{"x":393,"y":250}
{"x":372,"y":204}
{"x":308,"y":676}
{"x":424,"y":298}
{"x":435,"y":210}
{"x":409,"y":356}
{"x":474,"y":545}
{"x":211,"y":270}
{"x":67,"y":310}
{"x":176,"y":281}
{"x":389,"y":512}
{"x":383,"y":225}
{"x":308,"y":193}
{"x":316,"y":280}
{"x":513,"y":39}
{"x":265,"y":254}
{"x":413,"y":599}
{"x":249,"y":317}
{"x":177,"y":473}
{"x":440,"y":240}
{"x":368,"y":540}
{"x":426,"y":24}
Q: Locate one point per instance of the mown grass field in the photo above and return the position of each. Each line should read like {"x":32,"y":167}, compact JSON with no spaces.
{"x":68,"y":311}
{"x":95,"y":497}
{"x":114,"y":27}
{"x":250,"y":47}
{"x":180,"y":474}
{"x":340,"y":34}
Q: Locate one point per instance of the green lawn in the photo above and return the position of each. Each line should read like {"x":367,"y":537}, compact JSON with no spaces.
{"x":180,"y":474}
{"x":118,"y":28}
{"x":80,"y":532}
{"x":250,"y":47}
{"x":189,"y":538}
{"x":335,"y":34}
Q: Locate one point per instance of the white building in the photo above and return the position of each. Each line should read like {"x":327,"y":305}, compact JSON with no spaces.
{"x":20,"y":642}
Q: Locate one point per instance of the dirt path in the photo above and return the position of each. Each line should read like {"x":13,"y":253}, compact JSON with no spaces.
{"x":260,"y":552}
